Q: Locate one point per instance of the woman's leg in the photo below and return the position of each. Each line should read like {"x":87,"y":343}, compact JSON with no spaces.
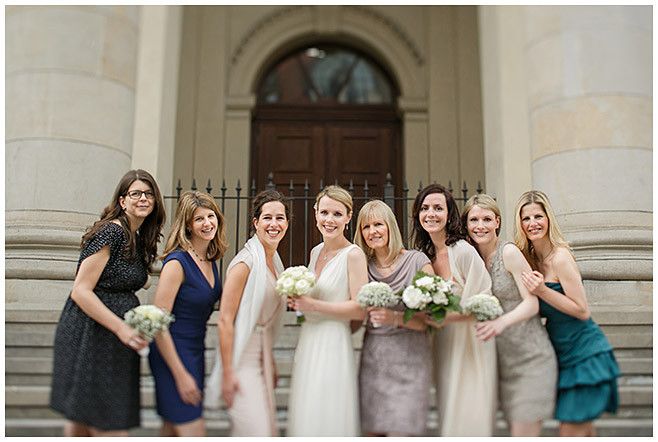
{"x":525,"y":429}
{"x":109,"y":433}
{"x":579,"y":429}
{"x":168,"y":429}
{"x":75,"y":429}
{"x":195,"y":428}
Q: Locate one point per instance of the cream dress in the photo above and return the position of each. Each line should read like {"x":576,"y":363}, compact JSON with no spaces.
{"x":254,"y":409}
{"x":464,"y":366}
{"x":323,"y":393}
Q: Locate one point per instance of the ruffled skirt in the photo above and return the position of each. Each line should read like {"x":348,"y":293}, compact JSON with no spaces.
{"x":588,"y":388}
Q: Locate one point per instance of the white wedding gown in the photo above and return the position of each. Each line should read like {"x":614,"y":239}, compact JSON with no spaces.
{"x":323,"y":393}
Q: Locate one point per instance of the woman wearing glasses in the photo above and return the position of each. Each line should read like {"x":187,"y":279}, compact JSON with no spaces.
{"x":95,"y":381}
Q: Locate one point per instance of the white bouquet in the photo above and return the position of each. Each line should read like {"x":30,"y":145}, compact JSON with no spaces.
{"x":376,"y":294}
{"x":429,"y":293}
{"x":295,"y":281}
{"x":483,"y":307}
{"x":148,"y":321}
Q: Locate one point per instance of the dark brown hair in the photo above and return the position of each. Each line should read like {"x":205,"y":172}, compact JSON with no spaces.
{"x":421,"y":239}
{"x":264,"y":197}
{"x":149,"y":233}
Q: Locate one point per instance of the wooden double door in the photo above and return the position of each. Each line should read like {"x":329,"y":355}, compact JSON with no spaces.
{"x":356,"y":144}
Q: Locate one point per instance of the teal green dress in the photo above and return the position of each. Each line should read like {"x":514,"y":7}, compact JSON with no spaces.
{"x":587,"y":380}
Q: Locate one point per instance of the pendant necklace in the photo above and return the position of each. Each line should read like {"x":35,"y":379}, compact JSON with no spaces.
{"x":195,"y":254}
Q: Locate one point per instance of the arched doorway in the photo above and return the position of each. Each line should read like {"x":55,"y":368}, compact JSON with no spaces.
{"x":325,"y":113}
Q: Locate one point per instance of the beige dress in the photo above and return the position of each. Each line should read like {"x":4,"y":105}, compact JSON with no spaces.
{"x":465,"y":367}
{"x":254,"y":408}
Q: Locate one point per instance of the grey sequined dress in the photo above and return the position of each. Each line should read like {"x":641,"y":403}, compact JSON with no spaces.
{"x":95,"y":376}
{"x":395,"y":367}
{"x":527,"y":366}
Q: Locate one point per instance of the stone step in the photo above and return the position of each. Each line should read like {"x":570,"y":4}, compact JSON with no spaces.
{"x":39,"y":396}
{"x":614,"y":427}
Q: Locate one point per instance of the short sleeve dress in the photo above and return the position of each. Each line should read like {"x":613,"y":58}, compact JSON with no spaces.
{"x":192,"y":308}
{"x":95,"y":376}
{"x":527,"y":366}
{"x":588,"y":371}
{"x":395,"y":368}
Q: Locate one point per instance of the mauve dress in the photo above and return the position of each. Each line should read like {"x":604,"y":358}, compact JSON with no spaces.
{"x":395,"y":368}
{"x":527,"y":366}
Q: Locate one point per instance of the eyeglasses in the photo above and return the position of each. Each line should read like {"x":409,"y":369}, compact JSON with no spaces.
{"x":137,"y":194}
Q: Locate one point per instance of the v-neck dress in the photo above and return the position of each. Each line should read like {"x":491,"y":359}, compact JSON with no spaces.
{"x":323,"y":397}
{"x":192,"y":309}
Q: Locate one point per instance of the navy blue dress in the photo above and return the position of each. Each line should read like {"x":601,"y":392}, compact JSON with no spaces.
{"x":192,"y":308}
{"x":587,"y":382}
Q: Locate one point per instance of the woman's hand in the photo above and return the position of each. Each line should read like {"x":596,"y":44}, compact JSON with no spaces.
{"x":431,"y":322}
{"x":534,"y":282}
{"x":130,"y":338}
{"x":229,"y":387}
{"x":488,"y":329}
{"x":381,"y":316}
{"x":302,"y":303}
{"x":188,"y":389}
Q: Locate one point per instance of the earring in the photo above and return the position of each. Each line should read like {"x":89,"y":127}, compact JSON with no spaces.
{"x":123,"y":208}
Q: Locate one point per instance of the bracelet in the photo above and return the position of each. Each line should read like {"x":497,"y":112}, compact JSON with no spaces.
{"x":395,"y":319}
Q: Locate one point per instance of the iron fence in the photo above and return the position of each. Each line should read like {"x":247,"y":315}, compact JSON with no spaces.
{"x":239,"y":200}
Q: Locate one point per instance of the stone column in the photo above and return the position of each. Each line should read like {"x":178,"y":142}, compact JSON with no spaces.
{"x":69,"y":109}
{"x":590,"y":114}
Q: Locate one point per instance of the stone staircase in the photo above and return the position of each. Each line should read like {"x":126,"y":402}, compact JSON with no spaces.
{"x":28,"y":364}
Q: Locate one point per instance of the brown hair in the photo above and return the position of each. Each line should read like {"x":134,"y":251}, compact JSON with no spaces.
{"x":148,"y":235}
{"x":421,"y":238}
{"x":179,"y":235}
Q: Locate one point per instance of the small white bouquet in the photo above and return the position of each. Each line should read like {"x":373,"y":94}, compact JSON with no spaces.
{"x":430,"y":293}
{"x":376,"y":294}
{"x":148,"y":320}
{"x":295,"y":281}
{"x":483,"y":307}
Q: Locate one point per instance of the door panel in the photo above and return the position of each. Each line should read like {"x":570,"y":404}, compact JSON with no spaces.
{"x":307,"y":147}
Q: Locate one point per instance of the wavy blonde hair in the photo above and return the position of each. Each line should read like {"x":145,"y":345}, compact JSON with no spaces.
{"x":555,"y":235}
{"x":335,"y":193}
{"x":179,"y":235}
{"x":378,"y":210}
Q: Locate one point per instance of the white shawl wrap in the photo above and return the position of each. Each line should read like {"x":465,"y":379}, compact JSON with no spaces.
{"x":246,"y":318}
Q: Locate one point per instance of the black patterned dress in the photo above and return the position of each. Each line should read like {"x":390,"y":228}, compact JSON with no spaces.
{"x":95,"y":376}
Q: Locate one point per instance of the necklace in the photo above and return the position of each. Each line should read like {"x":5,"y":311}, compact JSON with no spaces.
{"x":198,"y":257}
{"x":387,"y":265}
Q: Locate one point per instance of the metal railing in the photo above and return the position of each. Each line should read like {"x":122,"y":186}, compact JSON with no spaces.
{"x":241,"y":198}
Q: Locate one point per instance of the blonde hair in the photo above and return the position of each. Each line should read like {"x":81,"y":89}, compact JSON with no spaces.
{"x":376,"y":210}
{"x":555,"y":235}
{"x":335,"y":193}
{"x":484,"y":201}
{"x":179,"y":235}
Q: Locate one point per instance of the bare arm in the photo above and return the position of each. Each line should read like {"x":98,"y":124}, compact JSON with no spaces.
{"x":236,"y":281}
{"x":83,"y":295}
{"x":357,"y":274}
{"x":575,"y":302}
{"x":515,"y":264}
{"x":171,"y":278}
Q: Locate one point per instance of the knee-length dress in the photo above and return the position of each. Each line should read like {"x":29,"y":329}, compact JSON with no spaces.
{"x":396,"y":364}
{"x":323,"y":393}
{"x":588,"y":371}
{"x":527,"y":366}
{"x":192,"y":308}
{"x":95,"y":376}
{"x":253,"y":412}
{"x":465,"y":367}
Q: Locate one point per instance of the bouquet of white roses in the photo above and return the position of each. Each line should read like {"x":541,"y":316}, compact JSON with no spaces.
{"x":429,"y":293}
{"x":376,"y":294}
{"x":295,"y":281}
{"x":483,"y":307}
{"x":148,"y":321}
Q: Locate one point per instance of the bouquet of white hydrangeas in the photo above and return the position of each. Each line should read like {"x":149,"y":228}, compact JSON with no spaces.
{"x":148,"y":321}
{"x":429,"y":293}
{"x":483,"y":307}
{"x":295,"y":281}
{"x":376,"y":294}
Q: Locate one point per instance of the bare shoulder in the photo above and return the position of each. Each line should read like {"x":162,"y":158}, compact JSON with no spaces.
{"x":563,"y":260}
{"x":513,"y":259}
{"x":356,"y":255}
